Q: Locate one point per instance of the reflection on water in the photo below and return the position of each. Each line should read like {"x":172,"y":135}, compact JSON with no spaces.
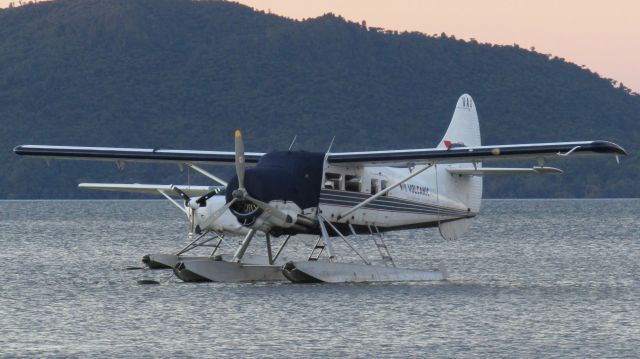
{"x":543,"y":278}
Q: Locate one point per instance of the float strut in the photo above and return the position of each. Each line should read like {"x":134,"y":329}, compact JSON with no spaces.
{"x":243,"y":247}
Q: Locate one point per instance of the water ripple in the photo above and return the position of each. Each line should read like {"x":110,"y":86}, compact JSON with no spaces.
{"x":543,"y":278}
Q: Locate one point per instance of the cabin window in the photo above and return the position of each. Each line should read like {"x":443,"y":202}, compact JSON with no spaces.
{"x":352,"y":183}
{"x":384,"y":184}
{"x":375,"y":186}
{"x":332,"y":181}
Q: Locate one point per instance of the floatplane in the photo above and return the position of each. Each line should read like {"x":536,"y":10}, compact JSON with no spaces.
{"x":334,"y":196}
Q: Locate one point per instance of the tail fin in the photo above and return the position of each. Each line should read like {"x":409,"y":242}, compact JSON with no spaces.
{"x":464,"y":127}
{"x":464,"y":131}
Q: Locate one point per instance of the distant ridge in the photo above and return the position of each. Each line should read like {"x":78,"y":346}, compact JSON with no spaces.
{"x":185,"y":74}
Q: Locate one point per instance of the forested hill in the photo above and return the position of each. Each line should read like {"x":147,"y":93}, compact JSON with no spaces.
{"x":185,"y":74}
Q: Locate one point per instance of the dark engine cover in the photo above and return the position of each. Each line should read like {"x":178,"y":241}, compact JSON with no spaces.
{"x":284,"y":175}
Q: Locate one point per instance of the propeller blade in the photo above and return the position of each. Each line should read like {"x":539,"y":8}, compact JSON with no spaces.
{"x":192,"y":222}
{"x":219,"y":212}
{"x":191,"y":217}
{"x":270,"y":210}
{"x":202,"y":201}
{"x":181,"y":193}
{"x":241,"y":192}
{"x":239,"y":159}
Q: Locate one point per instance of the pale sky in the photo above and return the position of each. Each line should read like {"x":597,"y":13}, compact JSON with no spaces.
{"x":603,"y":35}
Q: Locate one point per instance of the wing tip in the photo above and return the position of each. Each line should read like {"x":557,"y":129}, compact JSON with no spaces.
{"x":608,"y":147}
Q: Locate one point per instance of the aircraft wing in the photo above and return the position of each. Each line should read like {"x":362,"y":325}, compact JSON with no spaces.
{"x":154,"y":189}
{"x":134,"y":154}
{"x":476,"y":154}
{"x":369,"y":158}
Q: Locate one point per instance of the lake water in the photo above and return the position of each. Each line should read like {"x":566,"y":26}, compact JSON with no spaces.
{"x":533,"y":278}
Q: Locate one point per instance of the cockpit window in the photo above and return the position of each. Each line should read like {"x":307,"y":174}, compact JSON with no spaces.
{"x":332,"y":181}
{"x":375,"y":186}
{"x":384,"y":184}
{"x":352,"y":183}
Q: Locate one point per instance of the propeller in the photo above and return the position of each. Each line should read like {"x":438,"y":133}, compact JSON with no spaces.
{"x":193,"y":204}
{"x":202,"y":201}
{"x":185,"y":197}
{"x":241,"y":193}
{"x":271,"y":210}
{"x":239,"y":148}
{"x":188,"y":204}
{"x":214,"y":217}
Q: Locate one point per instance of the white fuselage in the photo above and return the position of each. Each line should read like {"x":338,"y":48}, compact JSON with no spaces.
{"x":429,"y":198}
{"x":227,"y":223}
{"x":423,"y":201}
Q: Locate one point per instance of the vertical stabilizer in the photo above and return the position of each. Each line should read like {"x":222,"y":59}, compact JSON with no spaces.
{"x":464,"y":127}
{"x":463,"y":131}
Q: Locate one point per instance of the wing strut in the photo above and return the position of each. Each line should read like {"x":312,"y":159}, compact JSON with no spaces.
{"x":237,"y":257}
{"x":384,"y":191}
{"x":181,"y":208}
{"x":362,"y":255}
{"x":207,"y":174}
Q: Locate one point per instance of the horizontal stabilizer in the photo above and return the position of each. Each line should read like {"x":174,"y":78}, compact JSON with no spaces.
{"x":488,"y":171}
{"x":191,"y":191}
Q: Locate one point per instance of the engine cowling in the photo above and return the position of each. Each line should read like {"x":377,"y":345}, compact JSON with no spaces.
{"x":289,"y":181}
{"x":246,"y":212}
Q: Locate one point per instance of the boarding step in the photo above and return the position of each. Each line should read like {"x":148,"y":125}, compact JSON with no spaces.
{"x":378,"y":239}
{"x":317,"y":250}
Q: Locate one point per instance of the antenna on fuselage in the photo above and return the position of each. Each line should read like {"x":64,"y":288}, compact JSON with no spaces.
{"x":293,"y":142}
{"x":331,"y":144}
